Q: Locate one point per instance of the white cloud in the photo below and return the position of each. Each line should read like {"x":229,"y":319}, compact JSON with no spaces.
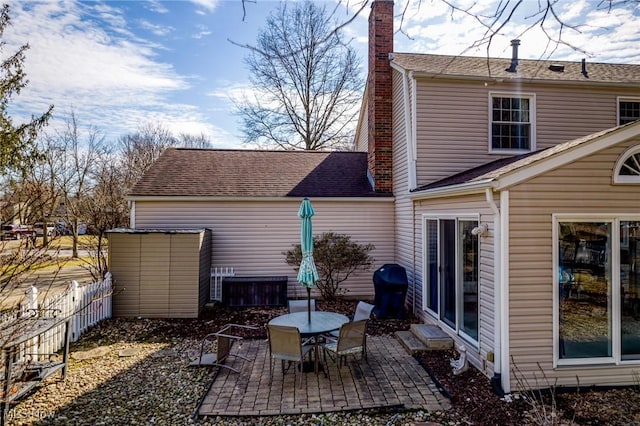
{"x":602,"y":34}
{"x":78,"y":60}
{"x":203,"y":31}
{"x":156,"y":6}
{"x":159,"y":30}
{"x":209,"y":5}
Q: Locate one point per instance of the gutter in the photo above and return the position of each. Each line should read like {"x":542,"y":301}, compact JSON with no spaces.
{"x":194,"y":198}
{"x":454,"y":190}
{"x":518,"y":80}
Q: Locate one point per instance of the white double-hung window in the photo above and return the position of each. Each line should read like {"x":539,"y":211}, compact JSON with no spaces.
{"x":512,"y":122}
{"x":628,"y":110}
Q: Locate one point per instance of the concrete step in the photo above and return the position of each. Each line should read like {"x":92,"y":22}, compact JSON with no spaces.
{"x":432,"y":336}
{"x":410,"y":342}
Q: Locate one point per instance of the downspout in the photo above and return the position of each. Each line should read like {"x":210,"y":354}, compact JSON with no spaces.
{"x":409,"y":127}
{"x":496,"y":380}
{"x":504,"y":292}
{"x":132,"y":214}
{"x":409,"y":131}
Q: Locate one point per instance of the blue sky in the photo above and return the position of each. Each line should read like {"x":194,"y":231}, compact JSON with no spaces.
{"x":121,"y":64}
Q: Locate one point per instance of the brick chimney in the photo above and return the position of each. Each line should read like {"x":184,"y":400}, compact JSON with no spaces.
{"x":380,"y":94}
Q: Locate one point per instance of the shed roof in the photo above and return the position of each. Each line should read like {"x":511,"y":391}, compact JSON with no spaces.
{"x":184,"y":172}
{"x":527,"y":69}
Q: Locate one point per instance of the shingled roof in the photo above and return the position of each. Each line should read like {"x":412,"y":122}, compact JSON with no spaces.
{"x":527,"y":69}
{"x":243,"y":173}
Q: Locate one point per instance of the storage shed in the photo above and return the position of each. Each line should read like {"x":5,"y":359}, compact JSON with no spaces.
{"x":160,"y":273}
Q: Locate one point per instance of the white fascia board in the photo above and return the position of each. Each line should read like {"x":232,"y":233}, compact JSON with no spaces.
{"x":567,"y":157}
{"x":258,"y":199}
{"x":453,"y":190}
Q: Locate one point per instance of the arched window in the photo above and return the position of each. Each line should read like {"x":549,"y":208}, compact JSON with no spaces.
{"x":628,"y":166}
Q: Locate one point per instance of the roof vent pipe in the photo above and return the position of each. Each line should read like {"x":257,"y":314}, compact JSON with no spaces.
{"x":584,"y":68}
{"x":514,"y":56}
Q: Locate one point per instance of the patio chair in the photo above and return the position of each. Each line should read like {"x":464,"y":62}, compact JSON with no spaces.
{"x":285,"y":344}
{"x":301,"y":305}
{"x":352,"y":340}
{"x":363,"y":311}
{"x":220,"y":343}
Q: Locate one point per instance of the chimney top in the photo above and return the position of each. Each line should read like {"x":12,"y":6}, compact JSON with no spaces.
{"x":514,"y":56}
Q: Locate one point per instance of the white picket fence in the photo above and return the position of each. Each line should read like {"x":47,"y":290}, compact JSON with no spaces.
{"x":217,"y":275}
{"x":84,"y":306}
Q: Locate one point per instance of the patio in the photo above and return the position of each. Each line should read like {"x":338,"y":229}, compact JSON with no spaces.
{"x":390,"y":377}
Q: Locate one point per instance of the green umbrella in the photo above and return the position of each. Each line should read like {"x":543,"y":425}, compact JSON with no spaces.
{"x":308,"y":274}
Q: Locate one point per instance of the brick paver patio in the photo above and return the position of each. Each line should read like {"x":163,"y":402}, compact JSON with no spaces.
{"x":388,"y":378}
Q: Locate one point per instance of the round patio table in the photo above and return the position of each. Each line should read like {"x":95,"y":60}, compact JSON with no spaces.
{"x":321,"y":322}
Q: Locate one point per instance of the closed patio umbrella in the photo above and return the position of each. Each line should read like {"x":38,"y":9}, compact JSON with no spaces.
{"x":307,"y":274}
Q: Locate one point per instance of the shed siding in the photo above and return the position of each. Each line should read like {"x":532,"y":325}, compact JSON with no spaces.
{"x":125,"y":252}
{"x":252,"y":236}
{"x":184,"y":275}
{"x":562,"y":114}
{"x":155,"y":260}
{"x":469,"y":205}
{"x":581,"y":187}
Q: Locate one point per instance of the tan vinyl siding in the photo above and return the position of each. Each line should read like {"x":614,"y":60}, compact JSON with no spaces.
{"x":465,"y":205}
{"x":126,"y":276}
{"x":158,"y":274}
{"x":578,"y":188}
{"x":155,"y":259}
{"x":251,"y":236}
{"x":404,"y":205}
{"x":184,"y":275}
{"x":449,"y":142}
{"x":362,"y":132}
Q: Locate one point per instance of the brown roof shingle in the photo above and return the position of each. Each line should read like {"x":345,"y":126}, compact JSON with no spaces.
{"x":245,"y":173}
{"x":528,"y":69}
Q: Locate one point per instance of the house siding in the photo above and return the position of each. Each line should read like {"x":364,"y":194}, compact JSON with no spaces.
{"x":562,"y":113}
{"x":252,"y":236}
{"x":362,"y":132}
{"x":404,"y":205}
{"x":464,"y":205}
{"x":582,"y":187}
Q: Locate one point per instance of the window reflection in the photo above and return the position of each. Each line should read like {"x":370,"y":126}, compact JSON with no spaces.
{"x":630,"y":289}
{"x":585,"y":291}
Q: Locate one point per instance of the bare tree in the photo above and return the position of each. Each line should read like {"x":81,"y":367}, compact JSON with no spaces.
{"x":82,"y":151}
{"x":141,"y":149}
{"x":306,"y":81}
{"x":186,"y":140}
{"x":105,"y":208}
{"x":504,"y":18}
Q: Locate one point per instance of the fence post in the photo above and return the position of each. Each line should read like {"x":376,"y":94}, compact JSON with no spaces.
{"x":107,"y":289}
{"x":75,"y":294}
{"x":31,"y":301}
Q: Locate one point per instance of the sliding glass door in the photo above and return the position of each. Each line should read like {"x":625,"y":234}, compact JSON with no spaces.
{"x":451,"y":282}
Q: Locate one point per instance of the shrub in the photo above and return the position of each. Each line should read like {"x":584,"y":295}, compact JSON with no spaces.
{"x":336,"y":258}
